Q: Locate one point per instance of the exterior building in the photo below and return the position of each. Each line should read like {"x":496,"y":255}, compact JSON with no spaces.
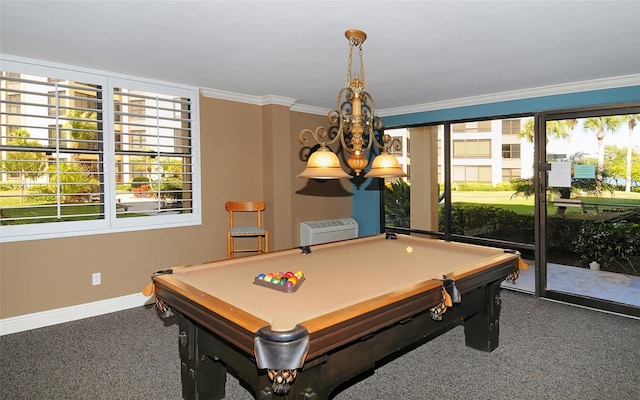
{"x":489,"y":151}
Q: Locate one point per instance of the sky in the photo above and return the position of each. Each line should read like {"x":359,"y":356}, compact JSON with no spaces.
{"x":586,"y":141}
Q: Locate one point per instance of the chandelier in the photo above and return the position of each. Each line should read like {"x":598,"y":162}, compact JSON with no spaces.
{"x":356,"y":127}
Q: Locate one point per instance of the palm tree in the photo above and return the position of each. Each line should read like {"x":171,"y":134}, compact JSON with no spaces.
{"x":29,"y":165}
{"x":600,"y":125}
{"x":397,"y":203}
{"x":556,"y":129}
{"x":632,"y":120}
{"x":82,"y":127}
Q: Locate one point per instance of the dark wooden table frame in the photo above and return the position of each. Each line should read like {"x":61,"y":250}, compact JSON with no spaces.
{"x":210,"y":346}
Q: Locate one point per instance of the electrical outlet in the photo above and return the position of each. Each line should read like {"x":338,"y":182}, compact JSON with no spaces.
{"x":96,"y":278}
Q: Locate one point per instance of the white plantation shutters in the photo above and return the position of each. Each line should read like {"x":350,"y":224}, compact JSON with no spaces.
{"x":86,"y":153}
{"x":153,"y":151}
{"x":52,"y":149}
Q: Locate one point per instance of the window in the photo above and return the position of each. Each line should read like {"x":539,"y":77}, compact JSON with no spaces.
{"x":472,"y":148}
{"x":509,"y":174}
{"x":84,"y":153}
{"x":472,"y":173}
{"x":511,"y":126}
{"x":472,"y":127}
{"x":57,"y":137}
{"x":136,"y":108}
{"x":13,"y":103}
{"x":55,"y":100}
{"x":154,"y":150}
{"x":510,"y":151}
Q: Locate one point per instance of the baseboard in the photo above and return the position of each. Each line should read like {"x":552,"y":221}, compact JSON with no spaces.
{"x":27,"y":322}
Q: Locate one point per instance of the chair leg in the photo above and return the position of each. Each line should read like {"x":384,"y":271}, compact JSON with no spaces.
{"x":229,"y":246}
{"x":266,"y":241}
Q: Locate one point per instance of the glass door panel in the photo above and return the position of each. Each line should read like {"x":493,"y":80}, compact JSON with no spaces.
{"x":592,"y":205}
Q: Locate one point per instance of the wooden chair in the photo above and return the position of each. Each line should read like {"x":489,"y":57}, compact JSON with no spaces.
{"x":241,"y":231}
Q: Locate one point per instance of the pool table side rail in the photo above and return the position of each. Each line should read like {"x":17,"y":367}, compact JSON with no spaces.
{"x":234,"y":325}
{"x":231,"y":263}
{"x":503,"y":258}
{"x":327,"y":337}
{"x":506,"y":263}
{"x":355,"y":322}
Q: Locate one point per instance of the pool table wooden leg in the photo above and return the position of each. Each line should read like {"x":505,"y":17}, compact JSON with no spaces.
{"x":202,"y":377}
{"x":481,"y":330}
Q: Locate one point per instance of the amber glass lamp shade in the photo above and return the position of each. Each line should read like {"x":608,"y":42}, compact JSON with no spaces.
{"x":323,"y":164}
{"x":385,"y":165}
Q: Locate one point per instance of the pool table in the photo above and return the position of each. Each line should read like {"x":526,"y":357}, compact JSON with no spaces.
{"x":361,"y":302}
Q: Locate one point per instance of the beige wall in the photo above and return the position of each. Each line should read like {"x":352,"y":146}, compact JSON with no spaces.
{"x":247,"y":152}
{"x":424,"y":178}
{"x":313,"y":200}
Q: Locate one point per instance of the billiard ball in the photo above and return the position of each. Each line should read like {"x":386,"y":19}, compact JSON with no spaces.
{"x":409,"y":249}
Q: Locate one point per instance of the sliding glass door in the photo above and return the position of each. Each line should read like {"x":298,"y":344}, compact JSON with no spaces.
{"x":590,"y":172}
{"x":563,"y":188}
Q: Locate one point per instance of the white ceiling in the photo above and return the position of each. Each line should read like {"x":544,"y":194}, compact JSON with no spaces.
{"x":417,"y":52}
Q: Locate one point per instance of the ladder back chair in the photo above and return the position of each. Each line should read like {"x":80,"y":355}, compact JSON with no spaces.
{"x":256,"y":230}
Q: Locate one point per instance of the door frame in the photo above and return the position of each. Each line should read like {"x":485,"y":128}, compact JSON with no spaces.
{"x":540,"y":214}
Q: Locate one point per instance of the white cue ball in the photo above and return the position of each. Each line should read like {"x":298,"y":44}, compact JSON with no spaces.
{"x":409,"y":249}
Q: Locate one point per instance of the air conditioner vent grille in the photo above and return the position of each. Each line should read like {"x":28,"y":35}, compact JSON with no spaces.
{"x":330,"y":230}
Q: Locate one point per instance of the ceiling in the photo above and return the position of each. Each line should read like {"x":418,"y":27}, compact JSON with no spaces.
{"x":417,"y":52}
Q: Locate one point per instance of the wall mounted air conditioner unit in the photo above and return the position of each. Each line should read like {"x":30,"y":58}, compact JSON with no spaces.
{"x":328,"y":230}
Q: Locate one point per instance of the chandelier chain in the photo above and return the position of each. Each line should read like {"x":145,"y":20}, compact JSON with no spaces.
{"x":364,"y":81}
{"x":349,"y":63}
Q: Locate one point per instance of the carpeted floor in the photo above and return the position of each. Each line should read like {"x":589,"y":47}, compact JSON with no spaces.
{"x":547,"y":351}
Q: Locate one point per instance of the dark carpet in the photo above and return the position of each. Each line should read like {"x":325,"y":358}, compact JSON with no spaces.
{"x":547,"y":351}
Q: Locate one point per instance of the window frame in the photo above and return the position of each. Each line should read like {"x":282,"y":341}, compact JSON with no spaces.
{"x":110,"y":223}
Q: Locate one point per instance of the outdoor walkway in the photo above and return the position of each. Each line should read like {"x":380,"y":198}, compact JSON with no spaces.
{"x":581,"y":281}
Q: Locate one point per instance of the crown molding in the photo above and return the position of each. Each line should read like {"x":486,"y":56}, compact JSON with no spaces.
{"x":565,"y":88}
{"x":310,"y":109}
{"x":245,"y":98}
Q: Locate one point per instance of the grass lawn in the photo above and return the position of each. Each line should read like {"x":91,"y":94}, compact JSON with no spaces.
{"x":520,"y":205}
{"x":48,"y":213}
{"x":523,"y":205}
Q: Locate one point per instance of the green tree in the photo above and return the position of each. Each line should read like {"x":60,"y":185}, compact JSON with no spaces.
{"x":28,"y":164}
{"x":82,"y":128}
{"x":76,"y":182}
{"x":600,"y":125}
{"x":614,"y":164}
{"x":555,"y":129}
{"x":632,"y":120}
{"x":397,"y":203}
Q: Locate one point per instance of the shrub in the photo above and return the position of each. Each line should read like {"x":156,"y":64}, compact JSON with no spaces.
{"x":170,"y":188}
{"x":139,"y":181}
{"x":143,"y":191}
{"x":397,"y":204}
{"x":10,"y":185}
{"x":489,"y":222}
{"x":610,"y":244}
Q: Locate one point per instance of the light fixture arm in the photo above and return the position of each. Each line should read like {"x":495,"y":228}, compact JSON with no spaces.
{"x":318,"y":135}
